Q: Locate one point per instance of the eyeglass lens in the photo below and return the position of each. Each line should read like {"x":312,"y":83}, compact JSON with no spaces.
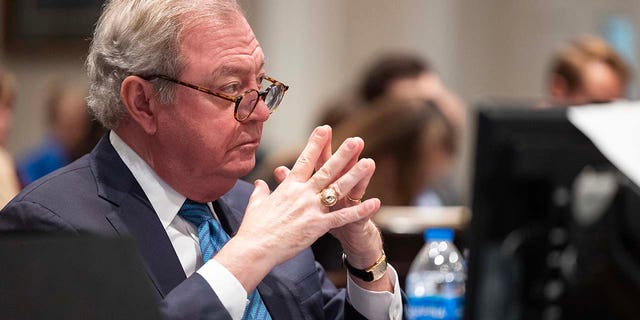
{"x":272,"y":99}
{"x":274,"y":96}
{"x":247,"y":104}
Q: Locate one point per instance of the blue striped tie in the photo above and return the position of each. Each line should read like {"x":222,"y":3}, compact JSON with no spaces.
{"x":212,"y":237}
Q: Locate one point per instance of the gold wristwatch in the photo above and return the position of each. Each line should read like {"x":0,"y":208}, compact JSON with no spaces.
{"x":373,"y":273}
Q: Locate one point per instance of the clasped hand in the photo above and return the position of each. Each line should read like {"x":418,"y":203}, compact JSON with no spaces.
{"x":282,"y":223}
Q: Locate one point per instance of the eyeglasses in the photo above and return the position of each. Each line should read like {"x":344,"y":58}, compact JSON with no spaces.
{"x":244,"y":103}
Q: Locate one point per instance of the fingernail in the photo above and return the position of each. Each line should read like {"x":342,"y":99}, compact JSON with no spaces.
{"x":321,"y":131}
{"x":369,"y":205}
{"x":374,"y":203}
{"x":364,"y":164}
{"x":351,"y":144}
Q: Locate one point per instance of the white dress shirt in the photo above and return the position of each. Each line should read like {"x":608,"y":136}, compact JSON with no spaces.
{"x":184,"y":237}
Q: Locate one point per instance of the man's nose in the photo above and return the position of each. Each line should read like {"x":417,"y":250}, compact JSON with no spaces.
{"x":261,"y":113}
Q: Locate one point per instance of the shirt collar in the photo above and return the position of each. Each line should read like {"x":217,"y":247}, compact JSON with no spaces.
{"x":164,"y":199}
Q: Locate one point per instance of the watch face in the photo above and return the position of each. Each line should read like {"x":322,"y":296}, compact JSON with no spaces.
{"x":378,"y":270}
{"x":370,"y":274}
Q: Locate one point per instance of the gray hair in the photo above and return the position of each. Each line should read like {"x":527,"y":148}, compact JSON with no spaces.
{"x":142,"y":37}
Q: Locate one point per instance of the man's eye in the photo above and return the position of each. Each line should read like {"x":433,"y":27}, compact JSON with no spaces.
{"x":259,"y":81}
{"x":231,"y":88}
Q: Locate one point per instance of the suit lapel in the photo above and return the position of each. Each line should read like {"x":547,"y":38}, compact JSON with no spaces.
{"x":134,"y":216}
{"x":285,"y":290}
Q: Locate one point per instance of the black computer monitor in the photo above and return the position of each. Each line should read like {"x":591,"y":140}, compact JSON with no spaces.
{"x":555,"y":231}
{"x":57,"y":276}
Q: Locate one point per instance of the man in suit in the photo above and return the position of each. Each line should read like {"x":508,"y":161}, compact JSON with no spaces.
{"x":179,"y":84}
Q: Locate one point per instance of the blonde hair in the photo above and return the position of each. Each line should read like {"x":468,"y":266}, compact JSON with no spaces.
{"x":570,"y":62}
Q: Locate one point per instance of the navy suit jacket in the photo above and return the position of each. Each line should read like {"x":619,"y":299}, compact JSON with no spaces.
{"x":97,"y":194}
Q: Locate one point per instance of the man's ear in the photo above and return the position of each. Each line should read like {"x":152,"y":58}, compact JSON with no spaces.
{"x":136,"y":94}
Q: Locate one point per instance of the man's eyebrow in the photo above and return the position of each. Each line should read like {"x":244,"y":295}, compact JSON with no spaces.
{"x":231,"y":70}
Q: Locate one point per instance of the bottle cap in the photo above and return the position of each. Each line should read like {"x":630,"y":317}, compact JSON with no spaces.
{"x":438,"y":234}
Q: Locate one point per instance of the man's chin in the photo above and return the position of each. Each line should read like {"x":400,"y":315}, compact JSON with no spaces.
{"x":240,"y":168}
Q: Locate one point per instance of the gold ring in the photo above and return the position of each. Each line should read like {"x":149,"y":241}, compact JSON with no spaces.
{"x":328,"y":197}
{"x":352,"y":199}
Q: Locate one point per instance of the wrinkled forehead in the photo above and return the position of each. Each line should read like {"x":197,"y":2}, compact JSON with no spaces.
{"x":220,"y":38}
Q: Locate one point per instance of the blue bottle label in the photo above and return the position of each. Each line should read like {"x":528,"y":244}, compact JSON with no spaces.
{"x":435,"y":307}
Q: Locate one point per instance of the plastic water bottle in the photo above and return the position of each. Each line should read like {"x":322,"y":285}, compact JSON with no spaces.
{"x":435,"y":283}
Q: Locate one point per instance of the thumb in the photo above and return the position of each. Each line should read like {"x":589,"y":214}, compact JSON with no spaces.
{"x":281,"y":173}
{"x":260,"y":191}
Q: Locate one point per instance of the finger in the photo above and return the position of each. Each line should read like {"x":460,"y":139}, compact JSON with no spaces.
{"x":326,"y":153}
{"x":358,"y":191}
{"x":337,"y":164}
{"x":304,"y":166}
{"x":358,"y":176}
{"x":364,"y":210}
{"x":353,"y":160}
{"x":281,"y":173}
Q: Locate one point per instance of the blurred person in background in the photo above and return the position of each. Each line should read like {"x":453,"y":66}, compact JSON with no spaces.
{"x":9,"y":185}
{"x":413,"y":144}
{"x":587,"y":71}
{"x":72,"y":133}
{"x":408,"y":76}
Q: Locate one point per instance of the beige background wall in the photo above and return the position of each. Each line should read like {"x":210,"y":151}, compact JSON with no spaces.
{"x":488,"y":48}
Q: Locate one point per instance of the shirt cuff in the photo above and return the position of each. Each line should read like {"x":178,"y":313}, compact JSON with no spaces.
{"x":374,"y":305}
{"x":226,"y":286}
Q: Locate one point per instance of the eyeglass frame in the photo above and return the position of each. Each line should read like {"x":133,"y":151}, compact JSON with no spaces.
{"x":236,"y":100}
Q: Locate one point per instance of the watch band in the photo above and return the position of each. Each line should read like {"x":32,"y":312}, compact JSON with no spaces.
{"x":373,"y":273}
